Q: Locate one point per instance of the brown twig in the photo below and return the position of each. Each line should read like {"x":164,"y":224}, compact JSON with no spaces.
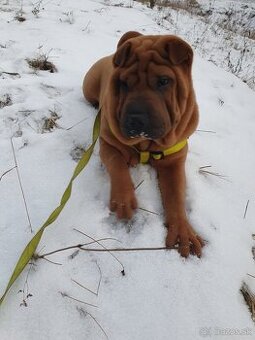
{"x":138,"y":185}
{"x":148,"y":211}
{"x":6,"y":172}
{"x":58,"y":264}
{"x":246,"y":208}
{"x":206,"y":131}
{"x":127,"y":249}
{"x":85,"y":313}
{"x":37,"y":256}
{"x":77,"y":300}
{"x":10,"y":73}
{"x":79,"y":246}
{"x":21,"y":188}
{"x":92,"y":317}
{"x":206,"y":172}
{"x":81,"y":121}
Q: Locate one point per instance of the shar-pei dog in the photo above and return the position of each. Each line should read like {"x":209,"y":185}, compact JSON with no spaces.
{"x":148,"y":111}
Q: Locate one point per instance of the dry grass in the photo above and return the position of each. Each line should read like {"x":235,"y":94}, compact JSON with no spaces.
{"x":50,"y":123}
{"x":42,"y":63}
{"x":5,"y":100}
{"x":249,"y":298}
{"x":20,"y":18}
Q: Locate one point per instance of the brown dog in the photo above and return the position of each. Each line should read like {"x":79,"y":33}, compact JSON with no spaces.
{"x":148,"y":110}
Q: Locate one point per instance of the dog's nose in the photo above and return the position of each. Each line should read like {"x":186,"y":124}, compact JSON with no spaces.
{"x":136,"y":119}
{"x":136,"y":124}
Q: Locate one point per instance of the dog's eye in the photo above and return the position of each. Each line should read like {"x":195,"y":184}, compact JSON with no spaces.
{"x":163,"y":81}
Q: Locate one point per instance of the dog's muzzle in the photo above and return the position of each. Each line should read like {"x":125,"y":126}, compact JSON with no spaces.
{"x":138,"y":121}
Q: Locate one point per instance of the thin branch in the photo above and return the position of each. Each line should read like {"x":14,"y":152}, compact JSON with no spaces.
{"x":77,"y":300}
{"x":148,"y":211}
{"x":246,"y":208}
{"x":206,"y":131}
{"x":6,"y":172}
{"x":104,"y":248}
{"x":81,"y":121}
{"x":98,"y":324}
{"x":20,"y":184}
{"x":37,"y":256}
{"x":138,"y":185}
{"x":128,"y":249}
{"x":59,"y":264}
{"x":206,"y":172}
{"x":84,"y":313}
{"x":10,"y":73}
{"x":80,"y":285}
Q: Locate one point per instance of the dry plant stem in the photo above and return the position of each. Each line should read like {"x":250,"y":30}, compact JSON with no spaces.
{"x":57,"y":263}
{"x":104,"y":248}
{"x":20,"y":184}
{"x":25,"y":290}
{"x":37,"y":256}
{"x":138,"y":185}
{"x":246,"y":208}
{"x":127,"y":249}
{"x":77,"y":300}
{"x":10,"y":73}
{"x":206,"y":131}
{"x":148,"y":211}
{"x":206,"y":172}
{"x":98,"y":286}
{"x":249,"y":298}
{"x":81,"y":121}
{"x":92,"y":317}
{"x":6,"y":172}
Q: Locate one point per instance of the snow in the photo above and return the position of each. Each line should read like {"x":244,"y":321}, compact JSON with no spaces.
{"x":161,"y":295}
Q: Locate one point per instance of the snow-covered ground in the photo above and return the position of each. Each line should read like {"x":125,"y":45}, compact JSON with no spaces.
{"x":162,"y":296}
{"x":222,"y":32}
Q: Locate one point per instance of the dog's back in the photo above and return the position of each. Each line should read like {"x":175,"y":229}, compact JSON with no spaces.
{"x":95,"y":82}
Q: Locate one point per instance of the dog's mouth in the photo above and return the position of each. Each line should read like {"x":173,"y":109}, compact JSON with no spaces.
{"x":137,"y":122}
{"x":142,"y":134}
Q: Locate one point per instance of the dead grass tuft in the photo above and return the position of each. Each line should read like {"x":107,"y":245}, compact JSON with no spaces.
{"x":20,"y":18}
{"x":5,"y":100}
{"x":50,"y":123}
{"x":42,"y":63}
{"x":249,"y":298}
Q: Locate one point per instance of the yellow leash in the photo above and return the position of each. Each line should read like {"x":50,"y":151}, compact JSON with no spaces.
{"x":29,"y":250}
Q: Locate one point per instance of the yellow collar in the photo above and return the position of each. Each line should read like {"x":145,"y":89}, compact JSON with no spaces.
{"x":157,"y":155}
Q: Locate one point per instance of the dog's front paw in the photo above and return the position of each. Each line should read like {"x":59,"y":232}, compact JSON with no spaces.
{"x":123,"y":203}
{"x":181,"y":235}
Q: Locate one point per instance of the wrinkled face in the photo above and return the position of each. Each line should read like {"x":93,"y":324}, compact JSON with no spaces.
{"x":151,"y":86}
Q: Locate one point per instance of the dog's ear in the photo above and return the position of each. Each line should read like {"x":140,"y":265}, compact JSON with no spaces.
{"x":126,"y":36}
{"x":123,"y":48}
{"x":179,"y":51}
{"x":122,"y":54}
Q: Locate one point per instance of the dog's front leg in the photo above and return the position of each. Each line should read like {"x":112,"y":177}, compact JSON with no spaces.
{"x":122,"y":201}
{"x":172,"y":182}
